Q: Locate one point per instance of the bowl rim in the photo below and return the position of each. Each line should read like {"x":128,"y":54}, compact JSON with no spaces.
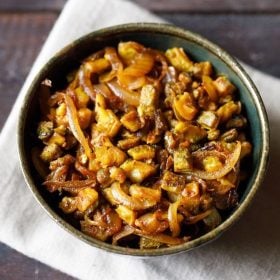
{"x":168,"y":29}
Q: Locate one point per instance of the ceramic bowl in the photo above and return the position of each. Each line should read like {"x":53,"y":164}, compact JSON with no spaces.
{"x":158,"y":36}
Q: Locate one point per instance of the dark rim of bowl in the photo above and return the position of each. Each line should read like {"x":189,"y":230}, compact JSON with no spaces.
{"x":167,"y":29}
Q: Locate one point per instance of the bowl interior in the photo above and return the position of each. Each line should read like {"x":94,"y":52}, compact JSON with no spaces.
{"x":155,"y":36}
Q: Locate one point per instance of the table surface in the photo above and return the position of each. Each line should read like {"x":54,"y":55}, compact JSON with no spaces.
{"x":248,"y":29}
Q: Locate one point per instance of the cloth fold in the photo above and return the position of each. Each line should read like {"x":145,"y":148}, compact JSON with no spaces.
{"x":249,"y":250}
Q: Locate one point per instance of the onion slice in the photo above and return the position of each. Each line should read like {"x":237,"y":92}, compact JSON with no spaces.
{"x":231,"y":161}
{"x":75,"y":126}
{"x":162,"y":238}
{"x":210,"y":88}
{"x":199,"y":217}
{"x":142,"y":64}
{"x":112,"y":56}
{"x":127,"y":96}
{"x":131,"y":202}
{"x":127,"y":230}
{"x":85,"y":73}
{"x":115,"y":101}
{"x":84,"y":76}
{"x":116,"y":64}
{"x":131,"y":82}
{"x":71,"y":184}
{"x":173,"y":218}
{"x":128,"y":50}
{"x":160,"y":58}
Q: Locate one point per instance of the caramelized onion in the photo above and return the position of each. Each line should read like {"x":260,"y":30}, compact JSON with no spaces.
{"x":199,"y":217}
{"x":150,"y":224}
{"x":231,"y":161}
{"x":114,"y":100}
{"x":127,"y":96}
{"x":131,"y":82}
{"x":210,"y":88}
{"x":95,"y":55}
{"x":75,"y":126}
{"x":84,"y":171}
{"x":112,"y":56}
{"x":127,"y":230}
{"x":69,"y":185}
{"x":104,"y":90}
{"x":128,"y":50}
{"x":56,"y":98}
{"x":162,"y":238}
{"x":116,"y":64}
{"x":84,"y":77}
{"x":163,"y":68}
{"x":142,"y":64}
{"x":173,"y":218}
{"x":131,"y":202}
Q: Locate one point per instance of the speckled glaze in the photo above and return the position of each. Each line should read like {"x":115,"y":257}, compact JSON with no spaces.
{"x":159,"y":36}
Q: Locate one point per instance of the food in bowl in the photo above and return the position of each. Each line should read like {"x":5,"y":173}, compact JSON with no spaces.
{"x":144,"y":148}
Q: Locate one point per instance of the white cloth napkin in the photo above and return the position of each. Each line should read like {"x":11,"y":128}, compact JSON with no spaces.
{"x":249,"y":250}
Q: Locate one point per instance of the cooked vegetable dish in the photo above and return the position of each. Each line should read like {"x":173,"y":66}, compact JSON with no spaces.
{"x":142,"y":147}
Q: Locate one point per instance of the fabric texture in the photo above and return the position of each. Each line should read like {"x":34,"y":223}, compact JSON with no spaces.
{"x":249,"y":250}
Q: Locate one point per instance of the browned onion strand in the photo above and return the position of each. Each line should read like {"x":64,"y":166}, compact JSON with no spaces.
{"x":173,"y":218}
{"x":162,"y":238}
{"x":231,"y":161}
{"x":144,"y":147}
{"x":84,"y":76}
{"x":127,"y":231}
{"x":75,"y":126}
{"x":129,"y":97}
{"x":70,"y":184}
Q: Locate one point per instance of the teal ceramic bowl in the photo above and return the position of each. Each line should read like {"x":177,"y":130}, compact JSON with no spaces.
{"x":159,"y":36}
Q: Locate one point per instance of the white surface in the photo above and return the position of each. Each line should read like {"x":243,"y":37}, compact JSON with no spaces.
{"x":249,"y":250}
